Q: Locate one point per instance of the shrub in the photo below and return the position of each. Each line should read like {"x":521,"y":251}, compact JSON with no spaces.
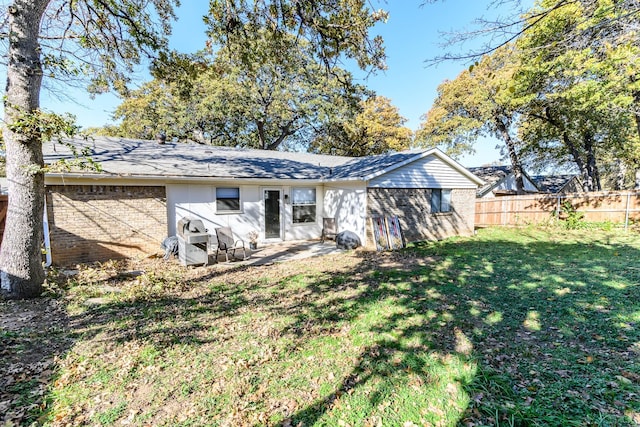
{"x":574,"y":219}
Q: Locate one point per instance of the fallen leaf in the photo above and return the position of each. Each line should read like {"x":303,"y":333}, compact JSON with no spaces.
{"x":631,"y":376}
{"x":587,"y":360}
{"x":623,"y":380}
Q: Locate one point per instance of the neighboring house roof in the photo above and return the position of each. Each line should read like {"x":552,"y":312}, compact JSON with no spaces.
{"x":554,"y":183}
{"x":493,"y":176}
{"x":137,"y":158}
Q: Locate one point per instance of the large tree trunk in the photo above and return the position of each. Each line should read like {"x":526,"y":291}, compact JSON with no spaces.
{"x":636,"y":102}
{"x":261,"y":135}
{"x":577,"y":158}
{"x":516,"y":165}
{"x":577,"y":155}
{"x":592,"y":166}
{"x":621,"y":174}
{"x":22,"y":273}
{"x":636,"y":115}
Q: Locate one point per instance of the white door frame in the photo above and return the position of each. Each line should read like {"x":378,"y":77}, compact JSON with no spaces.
{"x":280,"y":191}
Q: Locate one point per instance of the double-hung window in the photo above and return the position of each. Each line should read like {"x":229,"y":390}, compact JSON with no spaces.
{"x":440,"y":200}
{"x":227,"y":199}
{"x":303,"y":201}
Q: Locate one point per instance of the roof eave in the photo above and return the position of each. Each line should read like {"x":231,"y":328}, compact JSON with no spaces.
{"x":349,"y":179}
{"x":52,"y":178}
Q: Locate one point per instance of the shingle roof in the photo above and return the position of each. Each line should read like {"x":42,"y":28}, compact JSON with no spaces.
{"x":361,"y":167}
{"x":491,"y":175}
{"x":552,"y":183}
{"x":138,"y":158}
{"x":148,"y":158}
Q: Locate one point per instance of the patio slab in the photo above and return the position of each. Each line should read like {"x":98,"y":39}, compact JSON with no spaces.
{"x":282,"y":251}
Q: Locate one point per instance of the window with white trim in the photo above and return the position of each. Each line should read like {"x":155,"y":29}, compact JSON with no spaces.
{"x":303,"y":202}
{"x":227,"y":199}
{"x":440,"y":200}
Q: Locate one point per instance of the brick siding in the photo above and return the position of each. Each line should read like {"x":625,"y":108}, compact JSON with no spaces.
{"x":413,"y":206}
{"x":96,"y":223}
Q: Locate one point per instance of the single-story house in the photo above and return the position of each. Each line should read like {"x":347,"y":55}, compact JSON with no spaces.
{"x":559,"y":184}
{"x":500,"y":181}
{"x":145,"y":188}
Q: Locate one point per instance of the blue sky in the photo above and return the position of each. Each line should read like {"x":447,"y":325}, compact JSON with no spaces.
{"x":412,"y":35}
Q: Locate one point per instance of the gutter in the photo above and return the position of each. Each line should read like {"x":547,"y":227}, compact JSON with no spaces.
{"x":68,"y":178}
{"x":349,"y":179}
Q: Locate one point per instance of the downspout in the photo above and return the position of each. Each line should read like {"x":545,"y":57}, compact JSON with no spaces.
{"x":47,"y":241}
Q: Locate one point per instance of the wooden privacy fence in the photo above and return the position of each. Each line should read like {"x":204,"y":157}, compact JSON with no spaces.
{"x":618,"y":207}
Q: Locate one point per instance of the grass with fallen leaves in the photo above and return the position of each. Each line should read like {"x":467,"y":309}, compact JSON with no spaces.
{"x":510,"y":327}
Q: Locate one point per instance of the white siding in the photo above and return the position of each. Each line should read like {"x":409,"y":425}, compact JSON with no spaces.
{"x":199,"y":201}
{"x":311,"y":230}
{"x":347,"y":203}
{"x":429,"y":172}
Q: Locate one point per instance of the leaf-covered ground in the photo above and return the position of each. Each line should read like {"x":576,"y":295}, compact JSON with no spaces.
{"x":511,"y":327}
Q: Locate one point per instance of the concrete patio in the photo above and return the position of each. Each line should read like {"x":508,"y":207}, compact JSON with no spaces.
{"x":279,"y":252}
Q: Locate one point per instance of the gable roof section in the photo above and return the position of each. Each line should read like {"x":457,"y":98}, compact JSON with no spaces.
{"x":493,"y":176}
{"x":368,"y":168}
{"x":553,"y":183}
{"x":148,"y":159}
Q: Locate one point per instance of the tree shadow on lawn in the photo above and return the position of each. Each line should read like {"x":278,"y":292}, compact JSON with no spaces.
{"x":35,"y":333}
{"x":536,"y":333}
{"x":467,"y":331}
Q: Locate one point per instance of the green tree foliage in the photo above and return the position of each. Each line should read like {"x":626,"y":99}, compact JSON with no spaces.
{"x":575,"y":87}
{"x":376,"y":128}
{"x":150,"y":110}
{"x":260,"y":94}
{"x":279,"y":91}
{"x":98,"y":42}
{"x":579,"y":83}
{"x":479,"y":102}
{"x":333,"y":28}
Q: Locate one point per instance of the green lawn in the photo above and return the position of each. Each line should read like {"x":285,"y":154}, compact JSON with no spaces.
{"x":510,"y":327}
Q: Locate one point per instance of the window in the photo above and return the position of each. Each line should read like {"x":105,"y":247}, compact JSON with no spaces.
{"x":440,"y":200}
{"x":228,"y":199}
{"x":303,"y":201}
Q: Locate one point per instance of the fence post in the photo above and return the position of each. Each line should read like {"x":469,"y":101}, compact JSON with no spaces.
{"x":626,"y":213}
{"x":558,"y":207}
